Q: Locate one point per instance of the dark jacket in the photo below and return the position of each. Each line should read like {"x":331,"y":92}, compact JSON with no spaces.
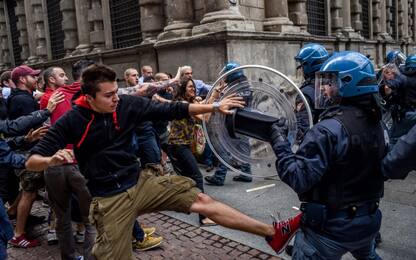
{"x":23,"y":124}
{"x":103,"y":142}
{"x":324,"y":146}
{"x":402,"y":158}
{"x":20,"y":103}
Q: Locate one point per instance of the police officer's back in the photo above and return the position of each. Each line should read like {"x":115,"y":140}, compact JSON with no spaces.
{"x":336,"y":171}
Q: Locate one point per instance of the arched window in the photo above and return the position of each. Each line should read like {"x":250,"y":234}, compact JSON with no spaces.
{"x":17,"y":48}
{"x":55,"y":29}
{"x":125,"y":23}
{"x":315,"y":9}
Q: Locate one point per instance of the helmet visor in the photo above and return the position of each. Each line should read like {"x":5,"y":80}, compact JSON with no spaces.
{"x":327,"y":90}
{"x":400,"y":59}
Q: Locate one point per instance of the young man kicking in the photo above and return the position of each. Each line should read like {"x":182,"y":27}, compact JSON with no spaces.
{"x":101,"y":127}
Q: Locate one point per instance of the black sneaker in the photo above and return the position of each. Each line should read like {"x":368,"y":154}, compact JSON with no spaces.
{"x":211,"y":180}
{"x":242,"y":178}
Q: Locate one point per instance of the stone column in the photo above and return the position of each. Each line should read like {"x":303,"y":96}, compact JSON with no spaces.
{"x":400,"y":19}
{"x":277,"y":17}
{"x":39,"y":32}
{"x":336,"y":18}
{"x":30,"y":31}
{"x":83,"y":30}
{"x":180,"y":18}
{"x":69,"y":26}
{"x":221,"y":15}
{"x":347,"y":30}
{"x":22,"y":27}
{"x":297,"y":14}
{"x":376,"y":16}
{"x":403,"y":20}
{"x":356,"y":12}
{"x":95,"y":19}
{"x":151,"y":19}
{"x":383,"y":34}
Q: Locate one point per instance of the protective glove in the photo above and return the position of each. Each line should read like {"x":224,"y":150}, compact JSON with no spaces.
{"x":279,"y":131}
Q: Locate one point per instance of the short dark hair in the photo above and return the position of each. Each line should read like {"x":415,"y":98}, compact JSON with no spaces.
{"x":94,"y":75}
{"x":48,"y":73}
{"x":79,"y":66}
{"x":5,"y":76}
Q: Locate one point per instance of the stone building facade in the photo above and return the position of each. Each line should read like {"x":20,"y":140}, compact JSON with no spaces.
{"x":203,"y":34}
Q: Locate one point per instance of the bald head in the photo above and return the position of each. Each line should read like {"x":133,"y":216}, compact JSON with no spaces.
{"x":147,"y":71}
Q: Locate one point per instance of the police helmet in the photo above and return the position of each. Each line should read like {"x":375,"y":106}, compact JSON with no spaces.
{"x":346,"y":74}
{"x":311,"y":57}
{"x":396,"y":57}
{"x":233,"y":76}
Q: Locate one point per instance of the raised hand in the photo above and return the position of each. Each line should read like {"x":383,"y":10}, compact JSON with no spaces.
{"x":61,"y":157}
{"x":54,"y":100}
{"x":229,"y":102}
{"x":37,"y":134}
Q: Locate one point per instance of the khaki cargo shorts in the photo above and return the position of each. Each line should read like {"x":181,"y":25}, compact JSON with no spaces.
{"x":114,"y":216}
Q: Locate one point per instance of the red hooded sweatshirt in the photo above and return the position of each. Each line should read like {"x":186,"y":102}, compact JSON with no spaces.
{"x":65,"y":105}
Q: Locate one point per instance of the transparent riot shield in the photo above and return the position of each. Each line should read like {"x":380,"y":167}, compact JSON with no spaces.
{"x":269,"y":95}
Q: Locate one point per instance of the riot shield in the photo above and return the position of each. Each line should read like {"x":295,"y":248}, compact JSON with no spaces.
{"x":242,"y":138}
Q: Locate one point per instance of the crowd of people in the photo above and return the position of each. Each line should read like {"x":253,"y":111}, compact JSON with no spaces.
{"x":105,"y":154}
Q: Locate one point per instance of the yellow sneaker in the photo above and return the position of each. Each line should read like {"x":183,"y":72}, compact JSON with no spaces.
{"x":149,"y":230}
{"x":148,"y":243}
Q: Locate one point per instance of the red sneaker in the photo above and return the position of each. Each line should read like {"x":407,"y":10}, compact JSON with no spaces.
{"x":23,"y":242}
{"x":284,"y":231}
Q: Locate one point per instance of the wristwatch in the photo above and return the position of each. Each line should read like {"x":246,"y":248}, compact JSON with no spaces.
{"x":216,"y":106}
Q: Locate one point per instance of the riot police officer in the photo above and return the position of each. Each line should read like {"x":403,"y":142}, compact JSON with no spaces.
{"x":397,"y":57}
{"x":309,"y":59}
{"x":402,"y":99}
{"x":336,"y":170}
{"x":218,"y":178}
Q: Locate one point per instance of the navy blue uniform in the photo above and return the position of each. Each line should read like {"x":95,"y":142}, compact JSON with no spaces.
{"x":323,"y":172}
{"x":402,"y":158}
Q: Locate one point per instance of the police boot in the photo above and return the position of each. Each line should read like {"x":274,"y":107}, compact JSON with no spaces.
{"x":284,"y":231}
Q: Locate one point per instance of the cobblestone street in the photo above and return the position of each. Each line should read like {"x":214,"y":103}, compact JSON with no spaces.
{"x":181,"y":241}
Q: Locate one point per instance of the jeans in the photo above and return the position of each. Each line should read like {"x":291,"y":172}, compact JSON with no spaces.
{"x":243,"y":145}
{"x":138,"y":232}
{"x":61,"y":183}
{"x":148,"y":146}
{"x":340,"y":235}
{"x":185,"y":164}
{"x":207,"y":156}
{"x":6,"y":231}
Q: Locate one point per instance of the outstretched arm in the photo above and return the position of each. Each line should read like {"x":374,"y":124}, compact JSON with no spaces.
{"x":402,"y":158}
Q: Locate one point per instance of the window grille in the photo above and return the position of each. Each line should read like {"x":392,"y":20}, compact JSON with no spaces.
{"x":55,"y":29}
{"x":315,"y":9}
{"x":17,"y":48}
{"x":125,"y":23}
{"x":393,"y":20}
{"x":364,"y":19}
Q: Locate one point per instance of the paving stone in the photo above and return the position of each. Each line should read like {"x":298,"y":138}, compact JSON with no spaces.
{"x":181,"y":241}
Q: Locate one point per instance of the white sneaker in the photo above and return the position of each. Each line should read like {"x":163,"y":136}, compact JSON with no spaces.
{"x":52,"y":237}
